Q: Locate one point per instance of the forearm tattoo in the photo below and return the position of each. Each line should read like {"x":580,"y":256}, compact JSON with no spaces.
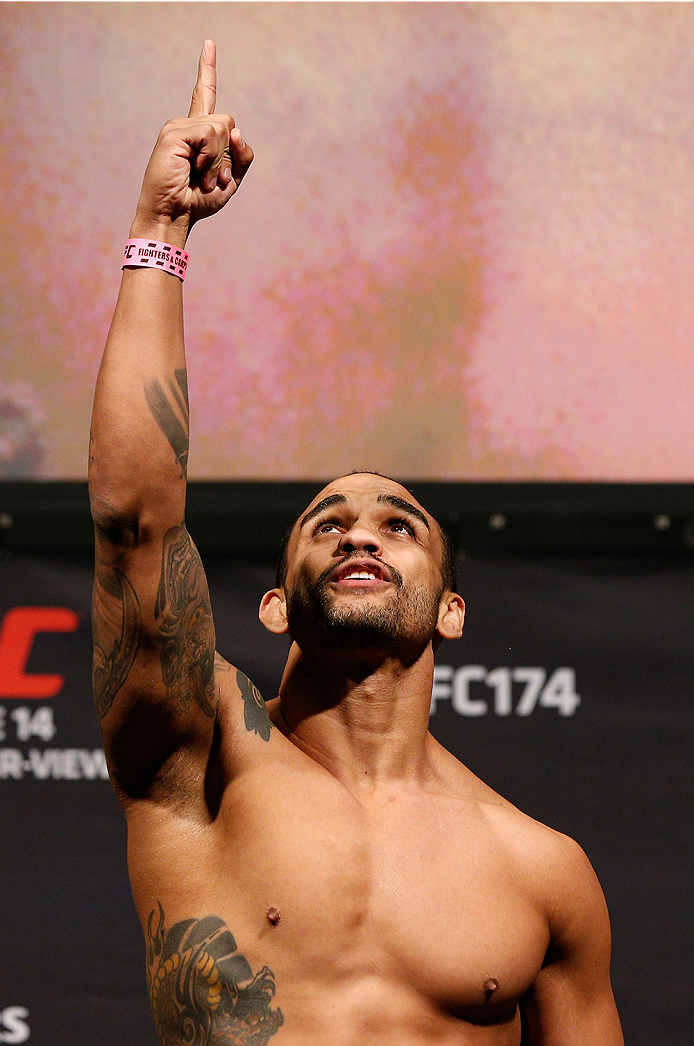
{"x":116,"y":614}
{"x":184,"y":621}
{"x":254,"y":711}
{"x":169,"y":408}
{"x":203,"y":991}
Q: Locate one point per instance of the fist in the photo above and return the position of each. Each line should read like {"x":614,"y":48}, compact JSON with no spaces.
{"x":198,"y":162}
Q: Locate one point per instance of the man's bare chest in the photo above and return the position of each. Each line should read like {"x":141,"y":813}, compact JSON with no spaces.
{"x":410,"y":887}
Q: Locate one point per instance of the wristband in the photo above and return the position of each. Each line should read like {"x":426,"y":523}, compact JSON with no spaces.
{"x":155,"y":255}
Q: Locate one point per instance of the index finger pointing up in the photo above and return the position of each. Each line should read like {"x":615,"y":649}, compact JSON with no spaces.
{"x":205,"y":91}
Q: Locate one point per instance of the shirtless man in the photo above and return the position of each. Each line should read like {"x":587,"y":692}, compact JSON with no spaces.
{"x":320,"y":873}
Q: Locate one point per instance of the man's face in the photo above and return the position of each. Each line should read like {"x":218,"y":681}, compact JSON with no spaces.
{"x":364,"y":568}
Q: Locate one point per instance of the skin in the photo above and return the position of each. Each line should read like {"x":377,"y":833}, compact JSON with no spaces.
{"x":320,"y":869}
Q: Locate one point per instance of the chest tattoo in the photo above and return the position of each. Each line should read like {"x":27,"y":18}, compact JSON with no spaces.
{"x":203,"y":991}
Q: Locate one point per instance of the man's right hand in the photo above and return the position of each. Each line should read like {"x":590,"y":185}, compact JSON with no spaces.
{"x":196,"y":166}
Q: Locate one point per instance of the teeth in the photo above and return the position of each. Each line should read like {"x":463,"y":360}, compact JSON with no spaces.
{"x":361,"y":575}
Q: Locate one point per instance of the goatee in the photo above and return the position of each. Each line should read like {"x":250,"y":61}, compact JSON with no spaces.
{"x":313,"y":615}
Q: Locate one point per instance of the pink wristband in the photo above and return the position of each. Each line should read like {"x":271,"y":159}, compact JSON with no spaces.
{"x":155,"y":255}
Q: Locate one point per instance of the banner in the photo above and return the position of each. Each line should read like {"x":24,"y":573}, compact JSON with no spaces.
{"x":570,"y":694}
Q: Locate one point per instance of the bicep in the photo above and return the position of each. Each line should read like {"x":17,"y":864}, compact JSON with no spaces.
{"x":571,"y":1001}
{"x":557,"y":1011}
{"x":153,"y":660}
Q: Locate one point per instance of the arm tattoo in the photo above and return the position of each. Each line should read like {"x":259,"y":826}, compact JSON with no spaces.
{"x":170,"y":411}
{"x":221,"y":664}
{"x":110,"y":670}
{"x":202,"y":990}
{"x":254,"y":711}
{"x":184,"y":618}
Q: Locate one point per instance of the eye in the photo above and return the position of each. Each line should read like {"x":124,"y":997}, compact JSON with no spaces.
{"x":326,"y":527}
{"x":401,"y":526}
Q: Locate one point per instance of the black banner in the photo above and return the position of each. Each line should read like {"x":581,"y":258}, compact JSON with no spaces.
{"x":570,"y":693}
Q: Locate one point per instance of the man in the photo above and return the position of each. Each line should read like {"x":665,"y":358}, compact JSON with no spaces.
{"x":320,"y":869}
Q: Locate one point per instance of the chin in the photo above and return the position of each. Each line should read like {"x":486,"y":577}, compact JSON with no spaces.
{"x":367,"y":623}
{"x":361,"y":628}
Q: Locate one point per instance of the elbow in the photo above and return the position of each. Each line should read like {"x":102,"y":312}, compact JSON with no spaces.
{"x":131,"y":509}
{"x":130,"y":523}
{"x":115,"y":524}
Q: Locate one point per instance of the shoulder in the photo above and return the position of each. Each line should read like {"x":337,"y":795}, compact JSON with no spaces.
{"x":553,"y":871}
{"x":239,"y":701}
{"x":550,"y":867}
{"x":553,"y":862}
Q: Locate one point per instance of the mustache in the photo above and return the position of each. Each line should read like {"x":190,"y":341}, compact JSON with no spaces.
{"x":394,"y":575}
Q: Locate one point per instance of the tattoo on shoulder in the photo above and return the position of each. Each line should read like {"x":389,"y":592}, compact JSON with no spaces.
{"x":221,"y":664}
{"x":203,"y":991}
{"x":116,"y":615}
{"x":169,"y":408}
{"x":254,"y":711}
{"x":186,"y":631}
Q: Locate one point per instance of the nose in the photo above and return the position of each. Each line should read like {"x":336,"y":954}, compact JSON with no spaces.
{"x":361,"y":537}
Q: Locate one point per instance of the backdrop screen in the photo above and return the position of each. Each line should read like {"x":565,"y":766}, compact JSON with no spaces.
{"x":464,"y":250}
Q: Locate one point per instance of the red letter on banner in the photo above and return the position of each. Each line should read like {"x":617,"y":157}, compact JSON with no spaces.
{"x":16,"y":639}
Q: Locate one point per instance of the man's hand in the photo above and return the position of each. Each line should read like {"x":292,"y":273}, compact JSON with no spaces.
{"x":196,"y":166}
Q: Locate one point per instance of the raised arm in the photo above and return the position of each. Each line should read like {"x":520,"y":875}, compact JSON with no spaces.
{"x":153,"y":630}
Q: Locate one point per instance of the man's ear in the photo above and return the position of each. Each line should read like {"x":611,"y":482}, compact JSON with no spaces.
{"x":451,"y":616}
{"x":273,"y":611}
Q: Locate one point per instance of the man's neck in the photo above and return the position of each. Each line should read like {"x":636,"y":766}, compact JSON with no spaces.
{"x":365,"y":720}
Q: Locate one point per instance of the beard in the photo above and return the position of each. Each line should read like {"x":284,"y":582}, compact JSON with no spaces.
{"x":406,"y":616}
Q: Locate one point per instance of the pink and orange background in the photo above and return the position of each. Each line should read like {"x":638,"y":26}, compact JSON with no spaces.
{"x":465,"y":249}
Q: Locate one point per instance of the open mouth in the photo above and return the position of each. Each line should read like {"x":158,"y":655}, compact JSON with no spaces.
{"x":360,"y":578}
{"x":356,"y":575}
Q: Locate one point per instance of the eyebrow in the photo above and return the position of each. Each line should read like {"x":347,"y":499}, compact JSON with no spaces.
{"x":332,"y":499}
{"x":404,"y":506}
{"x":384,"y":499}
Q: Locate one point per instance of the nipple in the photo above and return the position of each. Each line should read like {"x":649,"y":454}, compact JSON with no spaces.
{"x":273,"y":916}
{"x":490,"y":986}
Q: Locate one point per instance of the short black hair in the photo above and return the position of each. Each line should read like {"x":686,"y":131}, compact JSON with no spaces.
{"x":449,"y":572}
